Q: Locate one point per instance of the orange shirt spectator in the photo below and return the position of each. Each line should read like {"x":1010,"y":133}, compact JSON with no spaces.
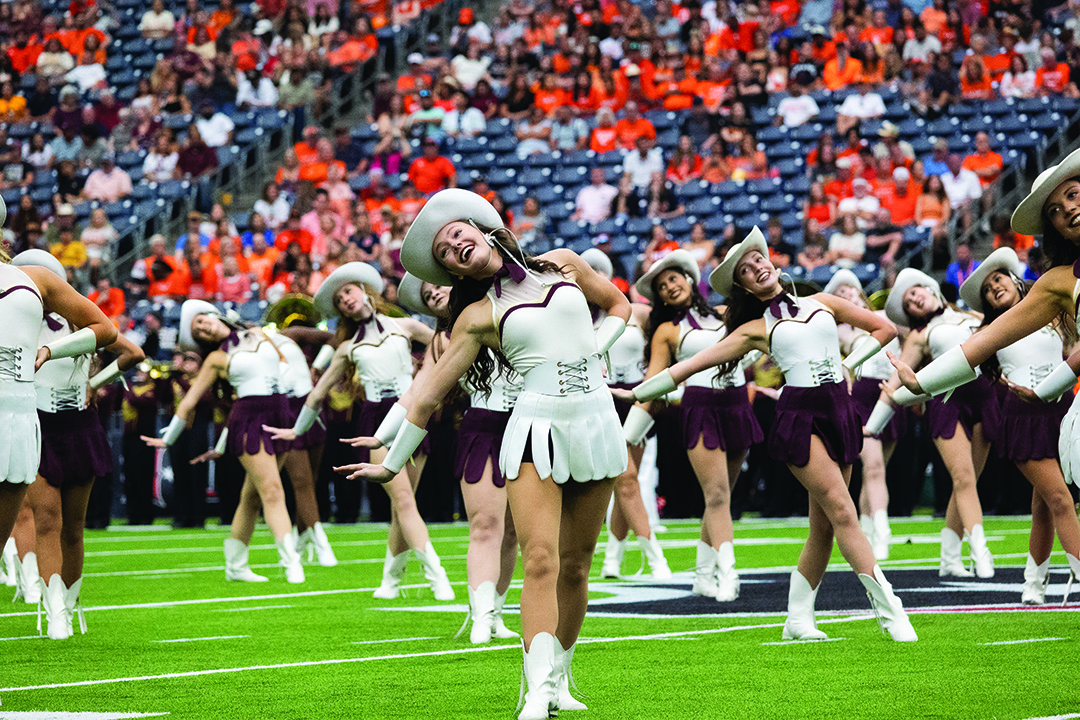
{"x":837,"y":76}
{"x":111,"y":303}
{"x":220,"y":19}
{"x":901,"y":203}
{"x":305,"y":150}
{"x":881,"y":37}
{"x":353,"y":52}
{"x":1020,"y":243}
{"x":26,"y":57}
{"x":933,"y":20}
{"x":290,"y":236}
{"x":1052,"y":79}
{"x":998,"y":64}
{"x":975,"y":84}
{"x":602,"y":139}
{"x":547,"y":99}
{"x":627,"y":131}
{"x":317,"y":172}
{"x":431,"y":171}
{"x":987,"y":165}
{"x":210,"y":30}
{"x":261,"y":266}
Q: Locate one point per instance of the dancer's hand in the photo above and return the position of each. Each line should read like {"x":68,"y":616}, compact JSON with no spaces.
{"x":363,"y":442}
{"x":210,"y":454}
{"x":849,"y":378}
{"x":623,"y":394}
{"x":153,"y":441}
{"x":1025,"y":394}
{"x":43,"y":355}
{"x":286,"y":434}
{"x":905,"y":373}
{"x":366,"y":471}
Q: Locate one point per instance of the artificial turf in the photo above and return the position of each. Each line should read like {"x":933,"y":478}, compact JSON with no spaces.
{"x":327,"y":649}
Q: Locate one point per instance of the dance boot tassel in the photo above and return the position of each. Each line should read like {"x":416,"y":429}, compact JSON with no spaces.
{"x":888,"y":608}
{"x":564,"y":679}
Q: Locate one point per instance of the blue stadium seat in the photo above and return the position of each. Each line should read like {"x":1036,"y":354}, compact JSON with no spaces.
{"x":809,"y":132}
{"x":1025,"y":140}
{"x":786,"y":149}
{"x":911,"y":127}
{"x":503,"y":144}
{"x":822,"y":275}
{"x":772,"y":134}
{"x":791,"y":221}
{"x":728,"y":188}
{"x":549,"y":193}
{"x":777,"y":204}
{"x":1065,"y":105}
{"x":866,"y":272}
{"x":173,"y":189}
{"x":742,"y":204}
{"x":999,"y":107}
{"x":791,"y":167}
{"x":499,"y":177}
{"x":1033,"y":105}
{"x":542,"y":160}
{"x":943,"y":126}
{"x":691,"y":190}
{"x":1046,"y":121}
{"x":558,"y":210}
{"x":1009,"y":124}
{"x":534,"y":177}
{"x":609,"y":227}
{"x":977,"y":123}
{"x":763,"y":187}
{"x":639,"y":226}
{"x":570,"y":175}
{"x":716,"y":224}
{"x":703,"y":207}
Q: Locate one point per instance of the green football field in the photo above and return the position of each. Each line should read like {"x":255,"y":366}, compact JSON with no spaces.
{"x":168,"y":636}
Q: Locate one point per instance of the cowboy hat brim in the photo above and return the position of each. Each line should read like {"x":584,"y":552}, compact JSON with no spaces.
{"x":444,"y":207}
{"x":1001,"y":259}
{"x":1027,"y":219}
{"x":40,"y":258}
{"x":843,"y":276}
{"x":599,"y":261}
{"x":676,"y":259}
{"x":354,"y":272}
{"x":723,"y":277}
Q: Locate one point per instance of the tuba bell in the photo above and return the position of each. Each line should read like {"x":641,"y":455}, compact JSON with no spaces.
{"x":877,"y":300}
{"x":291,"y":310}
{"x":156,"y":370}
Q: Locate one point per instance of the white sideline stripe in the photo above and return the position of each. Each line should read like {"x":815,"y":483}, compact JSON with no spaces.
{"x":219,"y":568}
{"x":216,"y":548}
{"x":50,"y":715}
{"x":215,"y":637}
{"x":402,"y":656}
{"x":1057,"y":717}
{"x":257,"y":607}
{"x":805,"y":642}
{"x":1021,"y":642}
{"x":378,"y":642}
{"x":25,"y":637}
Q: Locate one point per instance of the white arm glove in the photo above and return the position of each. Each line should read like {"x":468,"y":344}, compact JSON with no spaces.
{"x":391,"y":424}
{"x":864,"y":349}
{"x":222,"y":441}
{"x":879,"y":417}
{"x":609,"y":331}
{"x":305,"y":420}
{"x":79,"y":342}
{"x":326,"y":354}
{"x":659,"y":384}
{"x":637,"y":425}
{"x":403,"y":447}
{"x":945,"y":374}
{"x":903,"y":396}
{"x":1056,"y":383}
{"x":173,"y":430}
{"x":107,"y":375}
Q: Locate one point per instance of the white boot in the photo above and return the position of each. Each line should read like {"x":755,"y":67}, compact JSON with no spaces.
{"x":27,"y":574}
{"x":1036,"y":577}
{"x":393,"y":572}
{"x":73,"y":606}
{"x":727,"y":585}
{"x":323,"y":551}
{"x":882,"y":536}
{"x":1074,"y":572}
{"x":52,"y":602}
{"x":613,"y":556}
{"x":500,"y":630}
{"x":952,"y":564}
{"x":980,"y":553}
{"x":236,"y":562}
{"x":289,"y":559}
{"x":888,"y":608}
{"x":705,"y":571}
{"x":866,"y":524}
{"x":482,"y":612}
{"x":436,"y":576}
{"x":658,"y":566}
{"x":305,"y":544}
{"x":564,"y":678}
{"x":8,"y":571}
{"x":800,"y":623}
{"x":541,"y":700}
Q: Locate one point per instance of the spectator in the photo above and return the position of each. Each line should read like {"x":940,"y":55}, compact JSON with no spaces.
{"x":632,"y":127}
{"x":69,"y":185}
{"x":593,"y":202}
{"x":1018,"y":81}
{"x":42,"y":101}
{"x":272,"y":206}
{"x":685,"y":163}
{"x":261,"y":261}
{"x":841,"y":70}
{"x":987,"y":165}
{"x":933,"y":208}
{"x":796,"y":109}
{"x":12,"y":105}
{"x":288,"y":175}
{"x":68,"y":145}
{"x":862,"y":105}
{"x":216,"y":128}
{"x":781,"y":252}
{"x":568,"y":133}
{"x":942,"y":87}
{"x":432,"y":172}
{"x":883,"y":239}
{"x":919,"y":48}
{"x":364,"y":239}
{"x":814,"y":253}
{"x":962,"y":187}
{"x":533,"y":133}
{"x":297,"y":90}
{"x":661,"y":202}
{"x":530,"y":223}
{"x":340,"y":194}
{"x":110,"y":300}
{"x":293,"y":234}
{"x":160,"y":163}
{"x":702,"y":126}
{"x":469,"y":31}
{"x":307,"y":150}
{"x":519,"y":98}
{"x":426,"y":121}
{"x":470,"y":67}
{"x":643,"y":162}
{"x":95,"y":148}
{"x":902,"y":198}
{"x":1052,"y":77}
{"x":234,"y":285}
{"x":861,"y":204}
{"x":195,"y":235}
{"x":323,"y":223}
{"x":70,"y":252}
{"x":23,"y":54}
{"x":158,"y":271}
{"x":349,"y":151}
{"x":961,"y":269}
{"x":659,"y":245}
{"x":108,"y":183}
{"x":848,"y":244}
{"x":716,"y":168}
{"x":157,"y":22}
{"x":318,"y":171}
{"x":255,"y":90}
{"x":700,"y":246}
{"x":603,"y":137}
{"x":392,"y":148}
{"x":463,"y":121}
{"x":196,"y":158}
{"x":98,"y":239}
{"x":54,"y":62}
{"x":975,"y":83}
{"x":89,"y":74}
{"x":938,"y":162}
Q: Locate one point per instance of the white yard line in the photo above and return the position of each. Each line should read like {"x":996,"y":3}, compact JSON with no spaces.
{"x":256,"y":607}
{"x":380,"y":642}
{"x":1023,"y":642}
{"x":215,"y":637}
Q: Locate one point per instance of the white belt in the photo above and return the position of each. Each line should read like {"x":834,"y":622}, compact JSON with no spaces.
{"x":1030,"y":376}
{"x":813,"y":373}
{"x":630,"y":374}
{"x":501,"y":399}
{"x":391,"y":388}
{"x":16,"y":364}
{"x":51,"y":399}
{"x":265,"y":385}
{"x":565,"y":377}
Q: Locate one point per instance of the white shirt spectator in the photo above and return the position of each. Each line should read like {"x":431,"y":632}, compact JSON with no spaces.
{"x":265,"y":95}
{"x":594,"y":202}
{"x":920,"y":51}
{"x":797,"y":110}
{"x":641,"y":169}
{"x":215,"y":131}
{"x":317,"y":30}
{"x":471,"y":122}
{"x":868,"y":204}
{"x":860,"y":106}
{"x":157,"y":24}
{"x":468,"y":72}
{"x":961,"y":188}
{"x":1020,"y":85}
{"x":87,"y":77}
{"x":276,"y":213}
{"x":478,"y":31}
{"x":159,"y":168}
{"x":612,"y":47}
{"x":854,"y":243}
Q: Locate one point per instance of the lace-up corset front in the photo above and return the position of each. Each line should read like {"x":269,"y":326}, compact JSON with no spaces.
{"x":20,"y":304}
{"x":255,"y":367}
{"x":61,"y":384}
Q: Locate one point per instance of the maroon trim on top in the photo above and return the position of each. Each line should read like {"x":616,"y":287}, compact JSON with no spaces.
{"x":13,"y":288}
{"x":542,"y":304}
{"x":804,"y":322}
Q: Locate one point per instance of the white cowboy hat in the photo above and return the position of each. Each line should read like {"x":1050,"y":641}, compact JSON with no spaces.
{"x":410,"y":295}
{"x":843,"y":276}
{"x":188,"y":311}
{"x":40,"y":258}
{"x":599,"y":262}
{"x":444,"y":207}
{"x":679,"y":259}
{"x":723,"y":277}
{"x":3,"y":211}
{"x":1001,"y":259}
{"x":908,"y":277}
{"x":1027,"y":218}
{"x":354,"y":272}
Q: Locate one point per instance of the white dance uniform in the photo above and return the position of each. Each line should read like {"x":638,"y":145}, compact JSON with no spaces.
{"x":1069,"y":439}
{"x":626,"y":357}
{"x":866,"y":389}
{"x":971,"y":404}
{"x":382,"y":353}
{"x":20,"y":443}
{"x":296,"y":384}
{"x":564,"y":421}
{"x":693,"y":340}
{"x":256,"y":370}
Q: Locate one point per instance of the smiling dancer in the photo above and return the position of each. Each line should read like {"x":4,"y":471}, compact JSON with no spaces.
{"x":252,"y":364}
{"x":380,"y":349}
{"x":625,"y":369}
{"x":74,"y":452}
{"x":492,"y":550}
{"x":876,"y":449}
{"x":961,"y":428}
{"x":563,"y":446}
{"x":816,"y":430}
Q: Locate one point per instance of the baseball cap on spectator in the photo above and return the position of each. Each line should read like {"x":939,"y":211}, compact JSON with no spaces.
{"x":888,"y":129}
{"x":65,"y":209}
{"x":415,"y":59}
{"x":264,"y":27}
{"x":901,"y":173}
{"x":465,"y":16}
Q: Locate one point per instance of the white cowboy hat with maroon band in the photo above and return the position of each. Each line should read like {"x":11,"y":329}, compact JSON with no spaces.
{"x":906,"y":279}
{"x":40,"y":258}
{"x":1027,"y":219}
{"x":354,"y":272}
{"x":599,"y":261}
{"x":444,"y":207}
{"x":1003,"y":259}
{"x":411,"y":297}
{"x":723,"y":277}
{"x":843,"y":276}
{"x":676,"y":259}
{"x":188,"y":312}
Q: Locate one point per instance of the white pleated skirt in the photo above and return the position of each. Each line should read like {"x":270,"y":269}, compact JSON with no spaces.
{"x":20,"y":438}
{"x":1069,"y":443}
{"x":576,"y":436}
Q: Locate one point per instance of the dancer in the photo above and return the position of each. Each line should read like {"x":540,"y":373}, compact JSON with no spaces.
{"x":563,"y":446}
{"x":380,"y":349}
{"x":74,"y":452}
{"x":251,"y":363}
{"x":877,"y":449}
{"x":962,"y":428}
{"x":493,"y":548}
{"x":718,"y":423}
{"x":816,"y":430}
{"x":625,"y":369}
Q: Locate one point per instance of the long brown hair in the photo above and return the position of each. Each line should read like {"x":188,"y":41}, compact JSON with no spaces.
{"x":346,"y":330}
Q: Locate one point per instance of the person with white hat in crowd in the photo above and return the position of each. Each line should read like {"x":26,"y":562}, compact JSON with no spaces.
{"x":816,"y":430}
{"x":378,"y":349}
{"x":962,"y":428}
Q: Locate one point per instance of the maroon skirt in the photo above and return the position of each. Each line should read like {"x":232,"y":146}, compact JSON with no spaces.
{"x":865,"y":393}
{"x":246,"y":420}
{"x":74,"y":448}
{"x":479,"y":439}
{"x":1029,"y":430}
{"x":316,"y":435}
{"x":369,"y":418}
{"x":970,"y":404}
{"x":826,"y":411}
{"x":720,"y":418}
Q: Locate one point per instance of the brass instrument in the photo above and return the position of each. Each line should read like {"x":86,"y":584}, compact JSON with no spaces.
{"x":877,"y":300}
{"x":291,"y":310}
{"x":156,"y":370}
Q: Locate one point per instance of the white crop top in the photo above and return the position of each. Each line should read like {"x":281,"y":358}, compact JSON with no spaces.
{"x":805,"y":345}
{"x":296,"y":380}
{"x":21,"y":306}
{"x":255,"y":367}
{"x":64,"y":383}
{"x":948,"y":330}
{"x":627,"y":355}
{"x":383,"y":358}
{"x":1029,"y":360}
{"x":693,"y":340}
